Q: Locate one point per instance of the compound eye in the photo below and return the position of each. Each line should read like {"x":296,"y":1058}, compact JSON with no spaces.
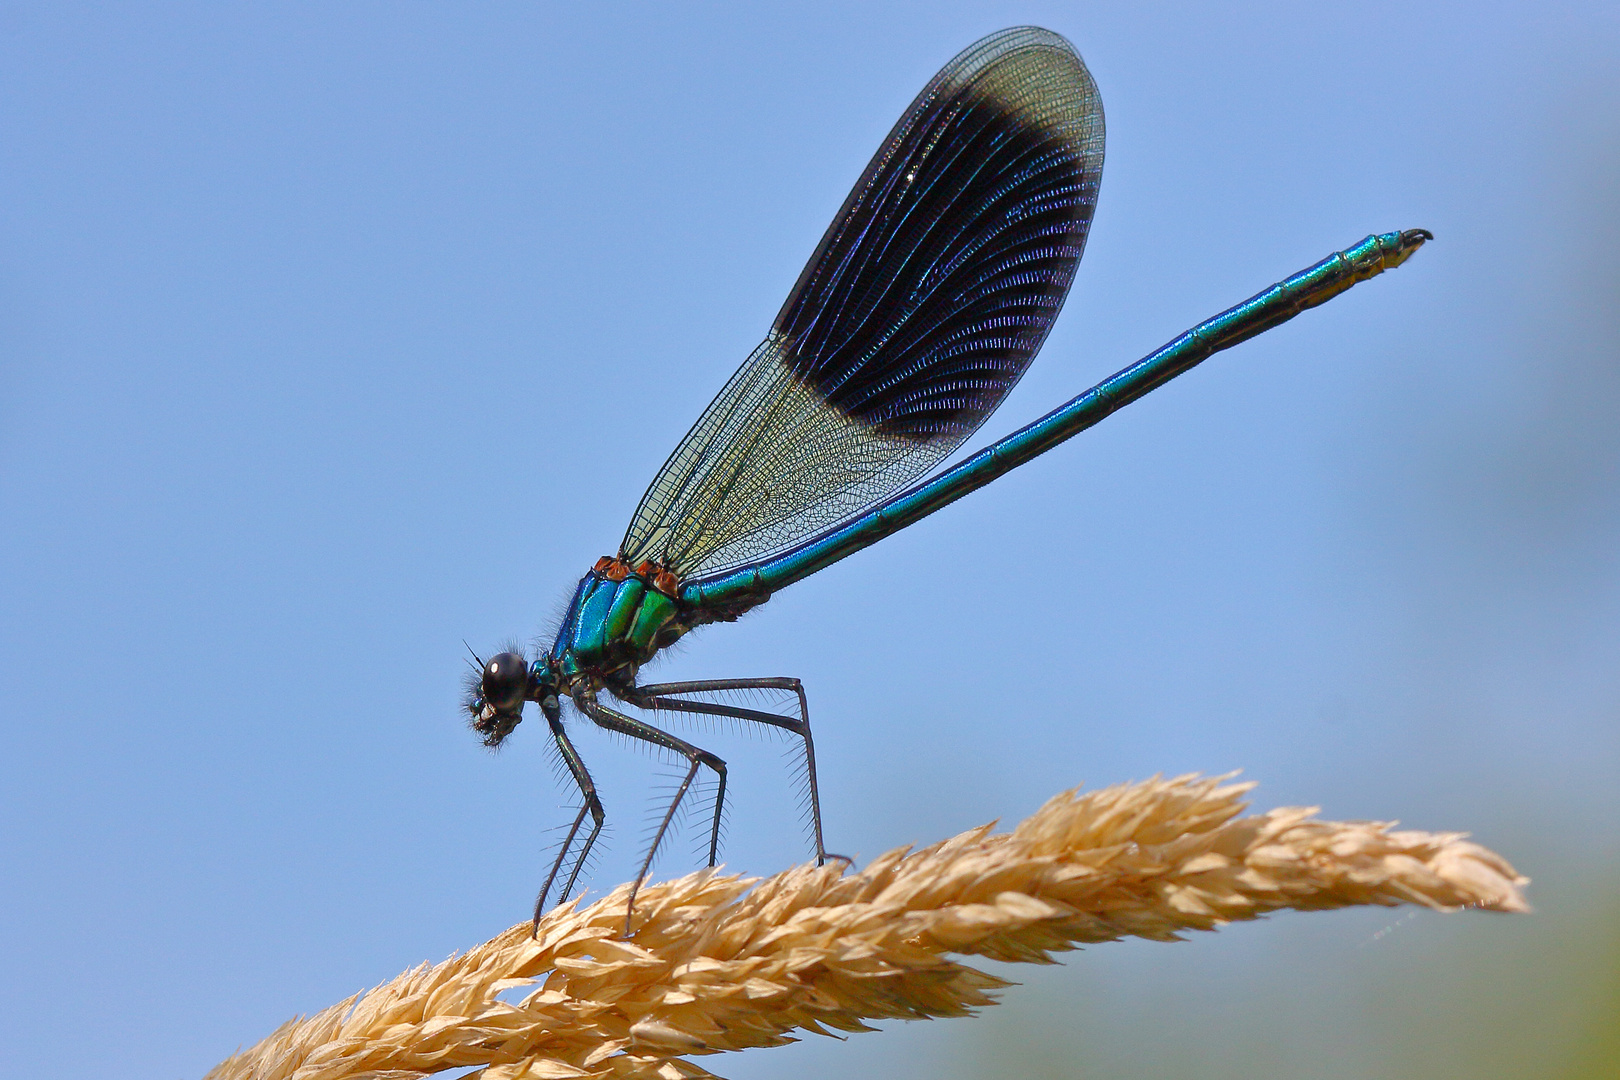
{"x":505,"y":682}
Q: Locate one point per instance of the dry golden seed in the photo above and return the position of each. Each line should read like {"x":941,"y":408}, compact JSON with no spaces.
{"x":720,"y":962}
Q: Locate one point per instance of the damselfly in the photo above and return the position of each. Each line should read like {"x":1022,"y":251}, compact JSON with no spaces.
{"x":924,"y":303}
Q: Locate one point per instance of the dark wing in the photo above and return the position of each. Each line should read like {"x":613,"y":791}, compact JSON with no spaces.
{"x":928,"y":297}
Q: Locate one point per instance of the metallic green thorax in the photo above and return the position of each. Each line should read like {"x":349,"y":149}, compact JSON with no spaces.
{"x":614,"y":626}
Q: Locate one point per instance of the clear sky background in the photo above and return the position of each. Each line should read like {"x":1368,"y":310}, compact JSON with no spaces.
{"x":333,"y":335}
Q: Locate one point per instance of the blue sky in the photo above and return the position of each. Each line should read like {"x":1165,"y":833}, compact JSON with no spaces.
{"x":331,"y":336}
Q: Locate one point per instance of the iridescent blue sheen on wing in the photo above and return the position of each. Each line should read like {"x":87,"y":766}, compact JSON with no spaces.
{"x":940,"y":277}
{"x":925,"y":302}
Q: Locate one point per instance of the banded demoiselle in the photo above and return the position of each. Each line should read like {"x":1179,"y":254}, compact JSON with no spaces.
{"x":924,"y":303}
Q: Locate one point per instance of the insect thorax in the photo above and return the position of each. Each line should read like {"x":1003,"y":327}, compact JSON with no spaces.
{"x":618,"y":620}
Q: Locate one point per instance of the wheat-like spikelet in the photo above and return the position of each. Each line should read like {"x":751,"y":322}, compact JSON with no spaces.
{"x":720,"y":962}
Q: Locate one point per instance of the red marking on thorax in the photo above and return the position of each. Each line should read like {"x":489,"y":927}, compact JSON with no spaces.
{"x":657,"y":576}
{"x":660,"y":577}
{"x":612,"y":569}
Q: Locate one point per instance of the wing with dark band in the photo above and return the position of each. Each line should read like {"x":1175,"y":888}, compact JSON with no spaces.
{"x":921,"y":308}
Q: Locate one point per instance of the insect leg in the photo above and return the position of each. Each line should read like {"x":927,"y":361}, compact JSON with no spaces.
{"x":666,"y":696}
{"x":605,"y":717}
{"x":591,"y":805}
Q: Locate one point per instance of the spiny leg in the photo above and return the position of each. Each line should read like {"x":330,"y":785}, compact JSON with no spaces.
{"x":657,"y":696}
{"x":605,"y":717}
{"x":591,"y":805}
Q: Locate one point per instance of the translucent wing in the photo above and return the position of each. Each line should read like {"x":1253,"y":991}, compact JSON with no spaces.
{"x":921,"y":308}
